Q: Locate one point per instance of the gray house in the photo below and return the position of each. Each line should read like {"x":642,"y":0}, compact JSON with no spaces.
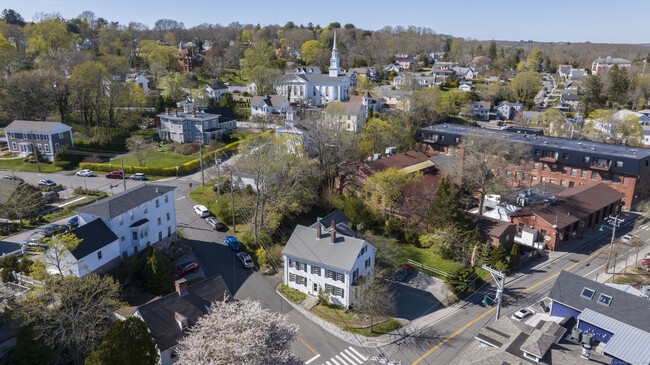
{"x":23,"y":136}
{"x":193,"y":125}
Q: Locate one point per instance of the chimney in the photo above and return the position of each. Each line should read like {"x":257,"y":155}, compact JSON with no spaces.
{"x":333,"y":235}
{"x":333,"y":224}
{"x":167,"y":111}
{"x":181,"y":286}
{"x":318,"y":231}
{"x":197,"y":109}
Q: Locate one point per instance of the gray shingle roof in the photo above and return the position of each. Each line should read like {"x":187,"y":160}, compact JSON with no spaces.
{"x":32,"y":126}
{"x":94,"y":236}
{"x":303,"y":244}
{"x":626,"y":308}
{"x":159,"y":314}
{"x":122,"y":202}
{"x":270,"y":100}
{"x":341,"y":221}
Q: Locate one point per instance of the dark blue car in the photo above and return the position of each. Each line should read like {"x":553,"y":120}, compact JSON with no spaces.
{"x":233,"y":243}
{"x":74,"y":222}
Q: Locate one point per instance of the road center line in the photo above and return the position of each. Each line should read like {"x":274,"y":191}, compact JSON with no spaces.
{"x":305,"y":343}
{"x":506,"y":301}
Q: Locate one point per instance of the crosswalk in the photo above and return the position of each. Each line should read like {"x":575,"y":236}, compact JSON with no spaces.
{"x":349,"y":356}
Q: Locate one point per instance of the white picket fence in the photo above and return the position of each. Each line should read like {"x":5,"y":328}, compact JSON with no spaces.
{"x":427,"y":268}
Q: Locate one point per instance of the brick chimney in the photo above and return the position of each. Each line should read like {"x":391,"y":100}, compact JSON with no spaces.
{"x":333,"y":236}
{"x":333,"y":224}
{"x":181,"y":286}
{"x":333,"y":230}
{"x":318,"y":231}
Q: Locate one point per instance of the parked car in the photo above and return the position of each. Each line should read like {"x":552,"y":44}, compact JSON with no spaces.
{"x":186,"y":268}
{"x":627,"y":238}
{"x":85,"y":173}
{"x":522,"y":314}
{"x":53,"y":229}
{"x":246,"y":260}
{"x":233,"y":243}
{"x":215,"y":223}
{"x":73,"y":222}
{"x":646,"y":262}
{"x":13,"y":178}
{"x":139,"y":176}
{"x":403,"y":272}
{"x":114,"y":174}
{"x":202,"y":211}
{"x":46,"y":182}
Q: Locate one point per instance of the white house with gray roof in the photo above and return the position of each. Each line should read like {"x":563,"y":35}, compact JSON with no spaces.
{"x":25,"y":136}
{"x":193,"y":125}
{"x":327,"y":257}
{"x":139,"y":217}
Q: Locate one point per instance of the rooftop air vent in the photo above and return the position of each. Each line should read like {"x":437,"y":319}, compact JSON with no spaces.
{"x":545,"y":142}
{"x":593,"y":148}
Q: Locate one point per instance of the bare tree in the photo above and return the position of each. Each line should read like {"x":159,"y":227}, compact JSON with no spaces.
{"x":58,"y":255}
{"x":378,"y":300}
{"x":484,"y":160}
{"x":239,"y":332}
{"x":139,"y":148}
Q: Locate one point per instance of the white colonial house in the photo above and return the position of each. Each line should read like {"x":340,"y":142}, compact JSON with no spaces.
{"x":143,"y":82}
{"x":506,"y":110}
{"x":269,"y":105}
{"x":139,"y":217}
{"x":315,"y":88}
{"x":216,"y":90}
{"x":327,"y":257}
{"x":98,"y":251}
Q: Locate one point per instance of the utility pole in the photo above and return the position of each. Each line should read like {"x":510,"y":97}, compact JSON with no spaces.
{"x":232,"y":199}
{"x":201,"y":160}
{"x":615,"y":224}
{"x":123,"y":176}
{"x":499,"y":280}
{"x":216,"y":167}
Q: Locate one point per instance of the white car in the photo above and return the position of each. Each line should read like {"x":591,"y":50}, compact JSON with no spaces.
{"x":522,"y":314}
{"x":202,"y":211}
{"x":85,"y":173}
{"x":627,"y":238}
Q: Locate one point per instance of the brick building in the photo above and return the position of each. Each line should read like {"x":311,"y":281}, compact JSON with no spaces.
{"x":555,"y":160}
{"x":568,"y":215}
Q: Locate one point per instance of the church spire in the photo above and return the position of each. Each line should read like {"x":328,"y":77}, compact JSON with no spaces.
{"x":334,"y":69}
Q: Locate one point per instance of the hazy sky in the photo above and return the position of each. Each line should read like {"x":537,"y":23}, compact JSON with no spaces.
{"x":551,"y":20}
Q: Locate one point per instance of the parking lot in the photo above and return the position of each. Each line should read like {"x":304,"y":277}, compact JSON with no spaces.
{"x":418,"y":295}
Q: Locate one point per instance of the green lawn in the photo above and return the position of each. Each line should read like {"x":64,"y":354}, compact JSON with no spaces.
{"x":156,"y":159}
{"x":232,"y":76}
{"x":353,"y":322}
{"x":19,"y":165}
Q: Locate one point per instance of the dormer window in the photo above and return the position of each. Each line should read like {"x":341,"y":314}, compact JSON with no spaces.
{"x":182,"y":321}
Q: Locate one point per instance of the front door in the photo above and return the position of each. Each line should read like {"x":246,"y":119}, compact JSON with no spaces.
{"x":315,"y":288}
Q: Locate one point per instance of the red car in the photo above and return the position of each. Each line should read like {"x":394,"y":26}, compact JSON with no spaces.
{"x":114,"y":175}
{"x":186,"y":268}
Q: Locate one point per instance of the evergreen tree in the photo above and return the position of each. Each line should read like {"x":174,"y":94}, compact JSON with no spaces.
{"x":126,"y":342}
{"x":485,"y":252}
{"x":498,"y":259}
{"x":492,"y":51}
{"x":514,"y":258}
{"x":446,"y":205}
{"x":460,"y":280}
{"x":592,"y":98}
{"x":157,"y":273}
{"x":618,"y":84}
{"x":227,"y":101}
{"x":30,"y":350}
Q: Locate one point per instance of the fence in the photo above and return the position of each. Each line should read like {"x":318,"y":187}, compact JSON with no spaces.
{"x":26,"y":279}
{"x":427,"y":268}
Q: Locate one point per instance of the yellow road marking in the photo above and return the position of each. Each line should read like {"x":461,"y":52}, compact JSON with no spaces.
{"x":506,"y":301}
{"x":309,"y":347}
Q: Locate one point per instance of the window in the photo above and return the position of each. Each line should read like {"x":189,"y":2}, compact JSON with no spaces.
{"x":135,"y":236}
{"x":565,"y":156}
{"x":442,"y":137}
{"x":517,"y":175}
{"x":157,"y":203}
{"x":583,"y":174}
{"x":534,"y":180}
{"x":543,"y":167}
{"x":99,"y":255}
{"x":46,"y":137}
{"x":61,"y":135}
{"x":543,"y":179}
{"x":604,"y":176}
{"x":604,"y":299}
{"x":508,"y":174}
{"x":40,"y":147}
{"x":562,"y":182}
{"x":525,"y":177}
{"x":564,"y":170}
{"x":585,"y":159}
{"x":355,"y":274}
{"x":367,"y":263}
{"x":145,"y":209}
{"x":616,"y":179}
{"x":572,"y":184}
{"x":119,"y":219}
{"x":587,"y":293}
{"x":594,"y":175}
{"x":166,"y":199}
{"x":159,"y":221}
{"x":167,"y":216}
{"x":619,"y":163}
{"x":141,"y":234}
{"x":14,"y":147}
{"x":303,"y":266}
{"x":160,"y":236}
{"x":334,"y":290}
{"x":47,"y":148}
{"x":574,"y":172}
{"x":131,"y":214}
{"x":315,"y":270}
{"x":122,"y":238}
{"x":537,"y":151}
{"x":554,"y":168}
{"x":169,"y":232}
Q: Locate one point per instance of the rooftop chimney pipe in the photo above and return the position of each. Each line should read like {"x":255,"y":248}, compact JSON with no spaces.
{"x":318,"y":231}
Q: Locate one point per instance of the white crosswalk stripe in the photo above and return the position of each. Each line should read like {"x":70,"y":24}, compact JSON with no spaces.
{"x":349,"y":356}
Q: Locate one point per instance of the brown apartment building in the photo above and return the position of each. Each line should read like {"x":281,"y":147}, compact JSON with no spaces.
{"x":560,"y":161}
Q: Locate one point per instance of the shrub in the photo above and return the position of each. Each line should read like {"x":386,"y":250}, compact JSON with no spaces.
{"x":498,"y":259}
{"x":66,"y":165}
{"x":274,"y":254}
{"x":292,"y":294}
{"x":513,"y":265}
{"x":462,"y":280}
{"x":261,"y":256}
{"x":323,"y":298}
{"x":158,"y":273}
{"x":395,"y":228}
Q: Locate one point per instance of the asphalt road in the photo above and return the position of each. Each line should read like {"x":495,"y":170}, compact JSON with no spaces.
{"x":439,"y":343}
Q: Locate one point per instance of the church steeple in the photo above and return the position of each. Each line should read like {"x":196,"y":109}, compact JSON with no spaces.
{"x":335,"y":70}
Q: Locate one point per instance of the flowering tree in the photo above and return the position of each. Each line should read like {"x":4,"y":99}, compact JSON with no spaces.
{"x":239,"y":332}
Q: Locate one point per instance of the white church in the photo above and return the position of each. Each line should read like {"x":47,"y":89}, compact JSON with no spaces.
{"x":314,"y":88}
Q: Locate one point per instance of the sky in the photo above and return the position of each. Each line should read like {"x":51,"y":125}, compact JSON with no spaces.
{"x":594,"y":21}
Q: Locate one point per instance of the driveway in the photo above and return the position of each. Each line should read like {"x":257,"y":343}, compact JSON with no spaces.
{"x":419,"y":295}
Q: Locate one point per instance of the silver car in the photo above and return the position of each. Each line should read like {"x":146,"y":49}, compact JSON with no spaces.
{"x":246,"y":260}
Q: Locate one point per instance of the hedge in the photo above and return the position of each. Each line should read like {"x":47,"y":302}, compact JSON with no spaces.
{"x":208,"y":157}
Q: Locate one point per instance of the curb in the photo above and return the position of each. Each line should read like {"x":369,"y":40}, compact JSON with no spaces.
{"x":336,"y":331}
